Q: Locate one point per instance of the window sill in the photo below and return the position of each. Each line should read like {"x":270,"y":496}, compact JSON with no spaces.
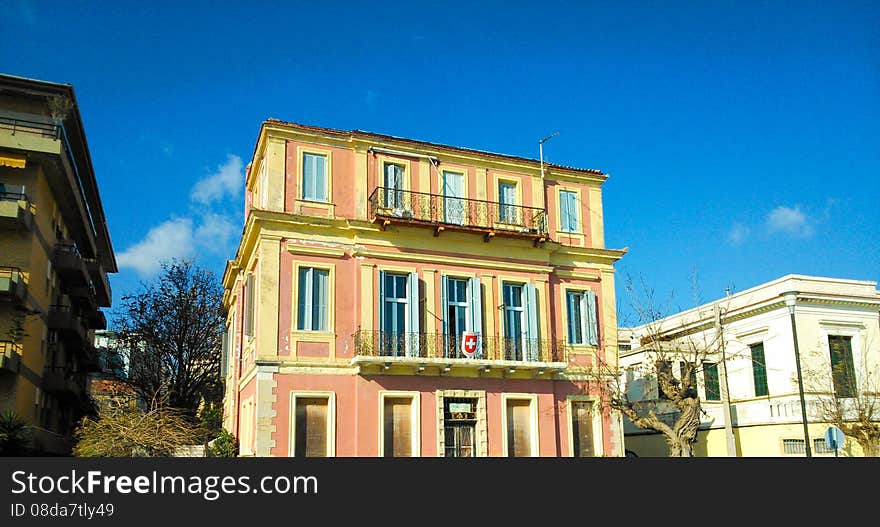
{"x":314,"y":201}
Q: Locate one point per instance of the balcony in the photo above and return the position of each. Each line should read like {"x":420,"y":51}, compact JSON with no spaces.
{"x":103,"y":294}
{"x":10,"y":357}
{"x":16,"y":210}
{"x":60,"y":380}
{"x":69,"y":264}
{"x":47,"y":143}
{"x":489,"y":218}
{"x":64,"y":320}
{"x":83,"y":296}
{"x":12,"y":286}
{"x":443,"y":353}
{"x":95,"y":319}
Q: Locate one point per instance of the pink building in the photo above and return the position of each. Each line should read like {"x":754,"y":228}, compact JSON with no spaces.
{"x":392,"y":297}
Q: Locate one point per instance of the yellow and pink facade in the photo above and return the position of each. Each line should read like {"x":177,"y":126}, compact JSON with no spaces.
{"x":392,"y":297}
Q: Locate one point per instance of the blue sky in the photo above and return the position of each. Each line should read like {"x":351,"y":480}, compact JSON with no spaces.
{"x":742,"y":138}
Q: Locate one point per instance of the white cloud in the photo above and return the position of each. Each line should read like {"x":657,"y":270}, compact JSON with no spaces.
{"x":171,"y":239}
{"x":203,"y":231}
{"x":215,"y":233}
{"x":789,"y":221}
{"x":738,"y":234}
{"x":227,"y":180}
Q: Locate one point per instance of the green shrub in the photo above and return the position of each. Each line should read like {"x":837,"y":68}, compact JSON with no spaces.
{"x":226,"y":445}
{"x":13,"y":434}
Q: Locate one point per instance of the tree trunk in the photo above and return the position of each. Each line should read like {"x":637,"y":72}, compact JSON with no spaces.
{"x":679,"y":448}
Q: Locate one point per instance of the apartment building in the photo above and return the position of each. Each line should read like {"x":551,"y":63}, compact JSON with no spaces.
{"x":394,"y":297}
{"x":55,"y":253}
{"x":837,"y":330}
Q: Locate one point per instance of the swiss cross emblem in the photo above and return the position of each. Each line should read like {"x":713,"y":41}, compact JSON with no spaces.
{"x":469,"y":344}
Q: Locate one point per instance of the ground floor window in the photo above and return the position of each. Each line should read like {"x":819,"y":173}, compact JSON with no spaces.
{"x":311,"y":430}
{"x":582,"y":429}
{"x":520,"y":434}
{"x":398,"y":427}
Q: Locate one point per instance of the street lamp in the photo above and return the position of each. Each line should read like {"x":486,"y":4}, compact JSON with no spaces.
{"x":790,"y":301}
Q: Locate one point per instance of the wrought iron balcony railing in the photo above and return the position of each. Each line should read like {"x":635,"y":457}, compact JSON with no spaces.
{"x":374,"y":343}
{"x":463,"y":213}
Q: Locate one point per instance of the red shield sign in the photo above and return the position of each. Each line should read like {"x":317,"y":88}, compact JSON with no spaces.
{"x":469,"y":344}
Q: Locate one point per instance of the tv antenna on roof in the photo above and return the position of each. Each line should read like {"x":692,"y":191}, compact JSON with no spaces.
{"x":541,"y":149}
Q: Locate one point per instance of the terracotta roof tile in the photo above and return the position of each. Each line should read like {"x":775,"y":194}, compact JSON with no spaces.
{"x":366,"y":134}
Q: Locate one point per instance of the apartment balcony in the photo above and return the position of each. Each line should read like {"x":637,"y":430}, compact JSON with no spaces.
{"x":95,"y":319}
{"x":83,"y":296}
{"x":12,"y":286}
{"x":16,"y":210}
{"x":419,"y":352}
{"x":69,"y":264}
{"x":61,"y":381}
{"x":103,"y":294}
{"x":10,"y":357}
{"x":64,"y":320}
{"x":489,"y":218}
{"x":46,"y":143}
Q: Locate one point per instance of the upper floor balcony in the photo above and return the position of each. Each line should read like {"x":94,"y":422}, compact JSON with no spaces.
{"x":103,"y":294}
{"x":446,"y":352}
{"x":12,"y":285}
{"x":10,"y":357}
{"x":63,"y":381}
{"x":444,"y":212}
{"x":16,"y":210}
{"x":69,"y":264}
{"x":67,"y":322}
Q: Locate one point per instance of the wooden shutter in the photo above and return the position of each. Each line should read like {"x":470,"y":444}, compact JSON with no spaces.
{"x":398,"y":427}
{"x":311,"y":427}
{"x":531,"y":309}
{"x":842,"y":368}
{"x":412,"y":293}
{"x":582,"y":428}
{"x":444,"y":307}
{"x":519,"y":434}
{"x":589,"y":310}
{"x":475,"y":302}
{"x":249,"y":305}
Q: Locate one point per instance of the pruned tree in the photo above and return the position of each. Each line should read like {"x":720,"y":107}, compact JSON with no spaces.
{"x":651,"y":395}
{"x":169,"y":335}
{"x":847,"y":393}
{"x":125,"y":430}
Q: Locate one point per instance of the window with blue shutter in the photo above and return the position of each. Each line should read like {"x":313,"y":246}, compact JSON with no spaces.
{"x":583,"y":322}
{"x":568,"y":211}
{"x":398,"y":314}
{"x":313,"y":289}
{"x":314,"y":177}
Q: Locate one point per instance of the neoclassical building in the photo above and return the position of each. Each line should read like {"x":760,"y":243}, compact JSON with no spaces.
{"x":393,"y":297}
{"x":837,"y":329}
